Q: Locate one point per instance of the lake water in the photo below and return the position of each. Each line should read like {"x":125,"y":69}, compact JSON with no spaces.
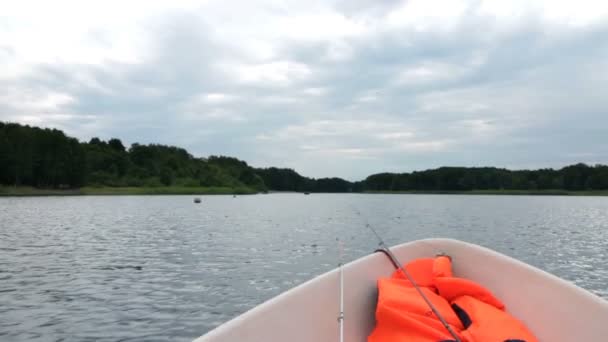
{"x":161,"y":268}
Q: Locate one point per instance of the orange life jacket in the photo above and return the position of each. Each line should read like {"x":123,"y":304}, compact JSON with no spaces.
{"x":471,"y":310}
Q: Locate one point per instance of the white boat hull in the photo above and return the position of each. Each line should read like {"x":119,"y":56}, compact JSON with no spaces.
{"x":555,"y":310}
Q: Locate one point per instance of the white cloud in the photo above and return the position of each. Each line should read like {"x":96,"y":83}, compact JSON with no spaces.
{"x":73,"y":32}
{"x":317,"y":85}
{"x":423,"y":15}
{"x":319,"y":26}
{"x":369,"y":96}
{"x":428,"y":72}
{"x":217,"y":97}
{"x":278,"y":73}
{"x":35,"y":101}
{"x":315,"y":91}
{"x":339,"y":50}
{"x":564,"y":12}
{"x":396,"y":135}
{"x":209,"y":107}
{"x":354,"y":137}
{"x":49,"y":119}
{"x":423,"y":146}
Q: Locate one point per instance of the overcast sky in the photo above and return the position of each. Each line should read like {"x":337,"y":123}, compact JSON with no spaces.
{"x":329,"y":88}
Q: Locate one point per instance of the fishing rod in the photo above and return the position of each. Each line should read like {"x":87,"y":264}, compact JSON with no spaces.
{"x":409,"y":277}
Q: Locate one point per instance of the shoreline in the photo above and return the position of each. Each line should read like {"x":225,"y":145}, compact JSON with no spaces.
{"x":498,"y":192}
{"x":26,"y":191}
{"x":9,"y":191}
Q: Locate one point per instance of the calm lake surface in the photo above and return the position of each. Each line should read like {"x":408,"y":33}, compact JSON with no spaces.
{"x":161,"y":268}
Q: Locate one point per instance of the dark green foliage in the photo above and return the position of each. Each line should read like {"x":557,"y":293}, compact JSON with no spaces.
{"x":166,"y":176}
{"x":289,"y":180}
{"x":332,"y":185}
{"x":238,"y":170}
{"x":575,"y":177}
{"x":105,"y":164}
{"x":598,"y":180}
{"x":385,"y":181}
{"x":40,"y":157}
{"x":47,"y":158}
{"x":284,"y":179}
{"x":116,"y":145}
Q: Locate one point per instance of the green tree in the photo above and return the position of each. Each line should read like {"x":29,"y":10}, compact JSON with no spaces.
{"x":116,"y":145}
{"x":166,"y":176}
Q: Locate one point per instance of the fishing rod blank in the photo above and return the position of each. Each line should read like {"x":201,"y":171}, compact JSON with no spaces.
{"x":411,"y":279}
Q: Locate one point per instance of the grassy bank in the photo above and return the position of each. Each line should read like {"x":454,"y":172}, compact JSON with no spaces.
{"x":502,"y":192}
{"x":182,"y":190}
{"x":169,"y":190}
{"x":31,"y":191}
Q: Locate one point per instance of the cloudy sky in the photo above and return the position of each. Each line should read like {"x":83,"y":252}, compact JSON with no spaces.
{"x":329,"y":88}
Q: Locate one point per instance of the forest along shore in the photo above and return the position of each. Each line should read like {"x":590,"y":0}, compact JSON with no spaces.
{"x":169,"y":190}
{"x":117,"y":191}
{"x":42,"y":161}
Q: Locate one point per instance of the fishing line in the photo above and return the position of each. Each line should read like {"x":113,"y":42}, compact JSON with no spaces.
{"x":409,"y":277}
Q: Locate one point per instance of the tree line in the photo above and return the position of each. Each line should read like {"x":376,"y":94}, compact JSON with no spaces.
{"x":573,"y":178}
{"x":47,"y":158}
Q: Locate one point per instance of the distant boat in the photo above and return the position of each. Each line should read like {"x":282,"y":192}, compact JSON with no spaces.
{"x":307,"y":193}
{"x":197,"y":200}
{"x":536,"y":297}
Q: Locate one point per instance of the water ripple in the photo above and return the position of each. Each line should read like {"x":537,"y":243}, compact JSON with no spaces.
{"x":146,"y":268}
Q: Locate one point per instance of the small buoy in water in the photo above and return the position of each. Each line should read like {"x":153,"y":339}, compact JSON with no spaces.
{"x":197,"y":200}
